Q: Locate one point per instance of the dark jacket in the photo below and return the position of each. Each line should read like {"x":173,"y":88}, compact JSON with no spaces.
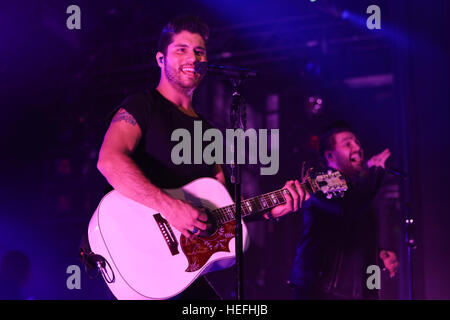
{"x":339,"y":241}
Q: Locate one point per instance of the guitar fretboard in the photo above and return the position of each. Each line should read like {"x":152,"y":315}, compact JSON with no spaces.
{"x":253,"y":205}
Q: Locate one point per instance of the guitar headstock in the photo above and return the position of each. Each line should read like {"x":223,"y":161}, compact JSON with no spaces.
{"x":331,"y":183}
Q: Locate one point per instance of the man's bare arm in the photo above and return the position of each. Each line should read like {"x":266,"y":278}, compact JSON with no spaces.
{"x":118,"y":167}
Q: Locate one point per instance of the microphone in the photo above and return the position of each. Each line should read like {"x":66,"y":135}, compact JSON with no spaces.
{"x":229,"y":71}
{"x":397,"y":172}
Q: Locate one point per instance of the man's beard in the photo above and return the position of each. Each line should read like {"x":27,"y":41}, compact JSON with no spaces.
{"x":174,"y":77}
{"x":349,"y":169}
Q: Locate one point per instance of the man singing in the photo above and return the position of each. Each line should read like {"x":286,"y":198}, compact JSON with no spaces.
{"x":339,"y":239}
{"x":135,"y":156}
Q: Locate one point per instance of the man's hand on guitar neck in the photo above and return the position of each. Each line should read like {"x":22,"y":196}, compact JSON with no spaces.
{"x":294,"y":200}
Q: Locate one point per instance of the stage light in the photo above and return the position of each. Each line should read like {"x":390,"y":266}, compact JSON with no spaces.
{"x":345,"y":14}
{"x":314,"y":143}
{"x":315,"y":104}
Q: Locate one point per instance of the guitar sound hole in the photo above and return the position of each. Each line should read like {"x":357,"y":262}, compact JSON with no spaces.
{"x":212,"y":229}
{"x":322,"y":183}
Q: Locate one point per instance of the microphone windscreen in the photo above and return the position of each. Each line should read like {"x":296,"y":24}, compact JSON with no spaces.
{"x":201,"y":67}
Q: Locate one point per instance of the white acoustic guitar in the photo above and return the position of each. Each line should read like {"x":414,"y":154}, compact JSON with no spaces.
{"x":145,"y":258}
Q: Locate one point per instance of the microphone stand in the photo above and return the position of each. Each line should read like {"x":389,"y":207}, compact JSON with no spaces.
{"x":409,"y":229}
{"x":410,"y":242}
{"x":412,"y":245}
{"x":238,"y":121}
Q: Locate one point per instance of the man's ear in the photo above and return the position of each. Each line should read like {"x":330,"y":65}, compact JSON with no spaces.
{"x":160,"y":59}
{"x":329,"y":156}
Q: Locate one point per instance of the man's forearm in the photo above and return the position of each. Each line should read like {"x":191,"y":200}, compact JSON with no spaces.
{"x":127,"y":178}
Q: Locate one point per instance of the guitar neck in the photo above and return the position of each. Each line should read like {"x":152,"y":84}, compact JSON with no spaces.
{"x":258,"y":204}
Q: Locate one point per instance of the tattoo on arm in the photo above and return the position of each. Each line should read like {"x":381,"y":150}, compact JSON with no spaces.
{"x":123,"y":115}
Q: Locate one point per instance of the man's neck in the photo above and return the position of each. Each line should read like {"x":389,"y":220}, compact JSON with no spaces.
{"x":180,"y":98}
{"x":347,"y":173}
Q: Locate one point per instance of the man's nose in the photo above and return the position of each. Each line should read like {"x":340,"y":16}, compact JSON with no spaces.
{"x":356,"y":147}
{"x":192,"y":57}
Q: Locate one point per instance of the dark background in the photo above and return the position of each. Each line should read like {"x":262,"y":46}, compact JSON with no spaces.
{"x":391,"y":85}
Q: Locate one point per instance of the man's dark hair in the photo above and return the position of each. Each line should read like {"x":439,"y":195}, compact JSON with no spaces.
{"x":181,"y":23}
{"x":327,"y":139}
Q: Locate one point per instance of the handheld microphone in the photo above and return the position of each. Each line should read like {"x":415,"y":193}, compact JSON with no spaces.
{"x":397,"y":172}
{"x":229,"y":71}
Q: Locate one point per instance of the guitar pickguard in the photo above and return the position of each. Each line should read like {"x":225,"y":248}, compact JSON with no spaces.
{"x":199,"y":249}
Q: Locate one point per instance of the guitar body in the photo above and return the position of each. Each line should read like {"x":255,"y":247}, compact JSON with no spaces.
{"x":146,"y":257}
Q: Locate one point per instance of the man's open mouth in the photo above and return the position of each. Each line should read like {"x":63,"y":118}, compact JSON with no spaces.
{"x":189,"y":70}
{"x":355,"y":158}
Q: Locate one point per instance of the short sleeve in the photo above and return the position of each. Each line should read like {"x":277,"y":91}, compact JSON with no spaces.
{"x":138,"y":105}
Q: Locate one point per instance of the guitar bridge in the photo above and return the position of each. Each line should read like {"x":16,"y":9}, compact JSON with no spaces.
{"x":166,"y":231}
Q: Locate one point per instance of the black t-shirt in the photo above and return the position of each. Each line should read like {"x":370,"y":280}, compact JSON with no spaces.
{"x":157,"y":117}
